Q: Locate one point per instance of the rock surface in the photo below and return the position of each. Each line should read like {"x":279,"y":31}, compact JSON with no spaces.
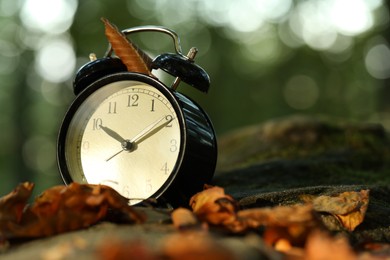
{"x":276,"y":162}
{"x":269,"y":164}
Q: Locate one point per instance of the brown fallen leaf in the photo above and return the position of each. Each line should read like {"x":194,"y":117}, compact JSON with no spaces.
{"x":184,"y":219}
{"x":134,"y":58}
{"x":213,"y":206}
{"x":279,"y":215}
{"x":292,"y":223}
{"x":291,"y":252}
{"x":65,"y":208}
{"x":194,"y":245}
{"x":175,"y":246}
{"x":349,"y":208}
{"x":12,"y":204}
{"x":320,"y":245}
{"x":285,"y":228}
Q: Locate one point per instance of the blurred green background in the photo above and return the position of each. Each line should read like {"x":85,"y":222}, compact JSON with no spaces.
{"x":266,"y":59}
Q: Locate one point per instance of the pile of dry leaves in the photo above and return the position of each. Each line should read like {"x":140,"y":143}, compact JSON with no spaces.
{"x":60,"y":209}
{"x":299,"y":231}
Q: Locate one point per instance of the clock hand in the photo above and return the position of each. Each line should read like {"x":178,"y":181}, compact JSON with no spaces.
{"x":126,"y":146}
{"x":151,"y":129}
{"x":130,"y":145}
{"x":112,"y":156}
{"x":112,"y":133}
{"x":116,"y":136}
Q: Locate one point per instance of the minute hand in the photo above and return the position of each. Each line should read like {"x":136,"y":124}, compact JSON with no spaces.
{"x":151,"y":129}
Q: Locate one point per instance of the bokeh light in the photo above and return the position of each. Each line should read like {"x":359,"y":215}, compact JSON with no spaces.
{"x":56,"y":60}
{"x":351,"y":17}
{"x":48,"y":16}
{"x":377,"y":61}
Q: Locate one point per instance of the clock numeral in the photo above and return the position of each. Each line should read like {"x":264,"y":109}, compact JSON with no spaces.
{"x":85,"y":145}
{"x":132,"y":100}
{"x":112,"y":107}
{"x":152,"y":109}
{"x":148,"y":185}
{"x":97,"y":123}
{"x":165,"y":168}
{"x":173,"y":147}
{"x":170,"y":119}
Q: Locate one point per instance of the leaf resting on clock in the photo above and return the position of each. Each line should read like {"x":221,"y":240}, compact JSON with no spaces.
{"x":61,"y":209}
{"x":134,"y":58}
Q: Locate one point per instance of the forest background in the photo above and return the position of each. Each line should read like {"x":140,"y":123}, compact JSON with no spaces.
{"x":266,"y":59}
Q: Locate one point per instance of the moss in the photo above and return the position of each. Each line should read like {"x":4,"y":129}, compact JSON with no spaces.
{"x":359,"y":144}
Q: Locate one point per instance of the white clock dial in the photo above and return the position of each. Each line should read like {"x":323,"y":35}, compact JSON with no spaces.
{"x":125,"y":135}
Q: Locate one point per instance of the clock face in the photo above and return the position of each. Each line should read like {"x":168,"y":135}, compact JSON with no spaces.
{"x":127,"y":135}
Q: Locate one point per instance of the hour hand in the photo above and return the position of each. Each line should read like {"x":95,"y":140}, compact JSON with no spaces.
{"x":112,"y":133}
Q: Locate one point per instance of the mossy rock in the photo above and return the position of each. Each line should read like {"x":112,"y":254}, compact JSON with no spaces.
{"x":301,"y":137}
{"x":276,"y":162}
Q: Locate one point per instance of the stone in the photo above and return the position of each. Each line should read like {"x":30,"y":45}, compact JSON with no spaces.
{"x":276,"y":162}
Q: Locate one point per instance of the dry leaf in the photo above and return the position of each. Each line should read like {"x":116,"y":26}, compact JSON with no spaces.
{"x":133,"y":57}
{"x":320,"y":245}
{"x":183,"y":219}
{"x":213,"y":206}
{"x":183,"y":245}
{"x":279,"y":215}
{"x":348,"y":207}
{"x":293,"y":223}
{"x":65,"y":208}
{"x":283,"y":245}
{"x":12,"y":205}
{"x":194,"y":245}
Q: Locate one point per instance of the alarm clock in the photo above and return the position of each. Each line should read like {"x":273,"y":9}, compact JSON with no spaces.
{"x":130,"y":131}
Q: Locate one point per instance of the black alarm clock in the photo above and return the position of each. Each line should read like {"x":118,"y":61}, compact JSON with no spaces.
{"x":131,"y":132}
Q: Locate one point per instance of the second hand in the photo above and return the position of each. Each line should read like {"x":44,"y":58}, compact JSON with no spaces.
{"x":112,"y":156}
